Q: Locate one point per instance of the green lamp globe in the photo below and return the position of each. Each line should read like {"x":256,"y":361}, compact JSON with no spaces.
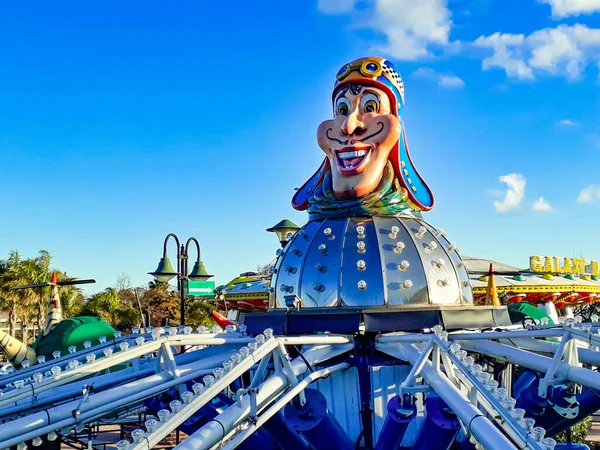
{"x":164,"y":272}
{"x":284,"y":230}
{"x":199,"y":272}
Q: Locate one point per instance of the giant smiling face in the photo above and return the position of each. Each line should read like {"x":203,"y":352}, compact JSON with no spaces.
{"x":359,"y":138}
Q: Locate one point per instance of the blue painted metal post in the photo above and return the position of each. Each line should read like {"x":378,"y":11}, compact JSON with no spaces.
{"x":316,"y":424}
{"x":280,"y":430}
{"x":440,"y":427}
{"x":396,"y":422}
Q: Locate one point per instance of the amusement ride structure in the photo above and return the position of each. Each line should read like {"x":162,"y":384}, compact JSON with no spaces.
{"x":370,"y":331}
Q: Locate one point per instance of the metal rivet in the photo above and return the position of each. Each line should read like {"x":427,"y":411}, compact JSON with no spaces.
{"x":297,"y":252}
{"x":404,"y":264}
{"x":362,"y":285}
{"x":438,"y":264}
{"x":279,"y":252}
{"x":322,"y":248}
{"x":360,"y":230}
{"x":290,"y":269}
{"x":407,"y":284}
{"x":286,"y":288}
{"x":318,"y":287}
{"x":361,"y":246}
{"x":443,"y":283}
{"x":399,"y":247}
{"x":466,"y":284}
{"x":361,"y":265}
{"x":327,"y":232}
{"x":321,"y":268}
{"x":419,"y":234}
{"x":394,"y":232}
{"x":431,"y":247}
{"x":453,"y":248}
{"x":439,"y":233}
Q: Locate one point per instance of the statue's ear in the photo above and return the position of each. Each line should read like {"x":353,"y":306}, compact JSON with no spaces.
{"x":418,"y":191}
{"x":300,"y":199}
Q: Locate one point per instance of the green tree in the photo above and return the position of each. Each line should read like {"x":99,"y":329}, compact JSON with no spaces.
{"x":26,"y":304}
{"x":161,"y":303}
{"x":198,"y":313}
{"x":577,"y":433}
{"x":110,"y":308}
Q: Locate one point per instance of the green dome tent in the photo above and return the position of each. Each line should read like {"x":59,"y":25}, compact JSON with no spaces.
{"x":74,"y":331}
{"x":518,"y":312}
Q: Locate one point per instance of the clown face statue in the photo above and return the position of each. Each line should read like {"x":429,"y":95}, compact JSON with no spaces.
{"x":367,"y":169}
{"x":365,"y":244}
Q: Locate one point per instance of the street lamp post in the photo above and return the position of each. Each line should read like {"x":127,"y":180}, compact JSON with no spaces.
{"x":164,"y":272}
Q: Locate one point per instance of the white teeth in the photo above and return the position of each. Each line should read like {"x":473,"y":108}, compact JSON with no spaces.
{"x":354,"y":154}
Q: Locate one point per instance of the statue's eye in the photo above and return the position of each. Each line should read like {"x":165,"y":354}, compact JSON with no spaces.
{"x":370,"y":103}
{"x":342,"y":107}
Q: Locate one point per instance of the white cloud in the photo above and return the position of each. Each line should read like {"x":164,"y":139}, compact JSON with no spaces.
{"x":567,"y":123}
{"x":542,"y":206}
{"x":515,"y":193}
{"x":565,"y":8}
{"x":507,"y":54}
{"x":444,"y":80}
{"x":565,"y":50}
{"x":451,"y":81}
{"x":410,"y":28}
{"x":589,"y":194}
{"x":335,"y":6}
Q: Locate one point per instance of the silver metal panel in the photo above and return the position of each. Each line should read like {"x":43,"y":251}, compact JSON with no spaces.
{"x":386,"y":381}
{"x":457,"y":263}
{"x":341,"y":390}
{"x":404,"y":262}
{"x":396,"y":277}
{"x":442,"y":282}
{"x":361,"y":287}
{"x":289,"y":268}
{"x":320,"y":282}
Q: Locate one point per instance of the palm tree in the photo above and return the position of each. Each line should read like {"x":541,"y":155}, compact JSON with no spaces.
{"x":110,"y":308}
{"x":26,"y":304}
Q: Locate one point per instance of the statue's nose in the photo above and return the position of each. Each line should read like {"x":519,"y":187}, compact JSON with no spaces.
{"x":352,"y":124}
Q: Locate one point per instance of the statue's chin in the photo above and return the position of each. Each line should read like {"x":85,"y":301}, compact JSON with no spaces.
{"x":346,"y":190}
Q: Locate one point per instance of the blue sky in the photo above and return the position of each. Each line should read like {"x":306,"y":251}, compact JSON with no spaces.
{"x":123,"y":121}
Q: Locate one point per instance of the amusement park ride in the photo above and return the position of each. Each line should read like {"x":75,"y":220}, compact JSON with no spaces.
{"x":371,"y":331}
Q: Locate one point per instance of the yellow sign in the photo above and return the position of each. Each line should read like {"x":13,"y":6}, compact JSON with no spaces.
{"x":554,"y":264}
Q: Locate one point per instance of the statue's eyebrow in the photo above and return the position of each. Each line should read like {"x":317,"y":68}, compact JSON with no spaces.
{"x":341,"y":93}
{"x":369,"y":91}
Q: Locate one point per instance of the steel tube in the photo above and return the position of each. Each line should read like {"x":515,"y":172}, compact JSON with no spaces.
{"x":52,"y":419}
{"x":535,"y":362}
{"x":585,"y":355}
{"x":396,"y":422}
{"x":74,"y":390}
{"x":211,"y":433}
{"x":317,"y":339}
{"x":86,"y":370}
{"x":281,"y":402}
{"x":483,"y":430}
{"x":552,"y":332}
{"x":175,"y":421}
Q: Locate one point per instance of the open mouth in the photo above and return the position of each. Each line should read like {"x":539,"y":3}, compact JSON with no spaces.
{"x":350,"y":160}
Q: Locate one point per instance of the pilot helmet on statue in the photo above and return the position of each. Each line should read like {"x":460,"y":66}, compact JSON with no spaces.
{"x":367,"y":169}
